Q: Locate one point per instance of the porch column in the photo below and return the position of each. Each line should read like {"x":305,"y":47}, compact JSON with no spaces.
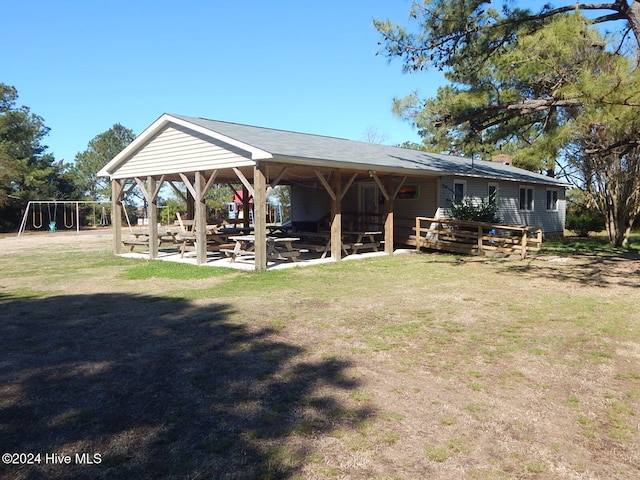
{"x":388,"y":218}
{"x":153,"y":217}
{"x":200,"y":219}
{"x":116,"y":214}
{"x":336,"y":215}
{"x":246,"y":207}
{"x":259,"y":217}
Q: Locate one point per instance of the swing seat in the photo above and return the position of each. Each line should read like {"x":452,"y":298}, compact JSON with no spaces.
{"x":52,"y":227}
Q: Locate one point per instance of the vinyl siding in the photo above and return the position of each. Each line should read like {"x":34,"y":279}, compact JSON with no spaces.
{"x":309,"y":204}
{"x":407,"y":209}
{"x":176,"y":149}
{"x":550,"y":221}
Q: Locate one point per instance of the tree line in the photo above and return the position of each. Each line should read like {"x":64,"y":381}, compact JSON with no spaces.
{"x":29,"y":172}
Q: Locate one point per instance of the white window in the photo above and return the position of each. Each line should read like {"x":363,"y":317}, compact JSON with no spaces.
{"x":552,"y":199}
{"x":526,"y":198}
{"x":459,"y":190}
{"x":492,"y":193}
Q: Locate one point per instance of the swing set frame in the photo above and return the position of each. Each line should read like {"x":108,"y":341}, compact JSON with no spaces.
{"x":68,"y":221}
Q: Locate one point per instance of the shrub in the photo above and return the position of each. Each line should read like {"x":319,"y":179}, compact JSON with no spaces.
{"x":470,"y":210}
{"x":581,"y":221}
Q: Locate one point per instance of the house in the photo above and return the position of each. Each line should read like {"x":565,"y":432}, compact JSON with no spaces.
{"x":330,"y":178}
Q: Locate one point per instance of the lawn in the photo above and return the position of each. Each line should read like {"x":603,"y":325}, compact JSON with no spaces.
{"x":403,"y":367}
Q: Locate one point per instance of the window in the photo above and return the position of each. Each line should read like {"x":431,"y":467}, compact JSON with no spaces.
{"x":526,"y":198}
{"x":552,"y":199}
{"x":492,"y":193}
{"x":459,"y":190}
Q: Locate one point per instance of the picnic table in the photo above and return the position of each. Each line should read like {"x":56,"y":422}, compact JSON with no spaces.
{"x":141,"y":238}
{"x":277,"y":247}
{"x":351,"y":240}
{"x":365,"y":239}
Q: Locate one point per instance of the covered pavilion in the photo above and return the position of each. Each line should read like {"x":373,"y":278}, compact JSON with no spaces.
{"x":199,"y":153}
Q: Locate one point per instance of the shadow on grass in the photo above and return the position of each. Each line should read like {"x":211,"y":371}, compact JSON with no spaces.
{"x":595,"y":272}
{"x":592,"y":246}
{"x":159,"y":389}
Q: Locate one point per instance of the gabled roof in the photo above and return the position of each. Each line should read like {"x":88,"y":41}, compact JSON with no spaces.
{"x":302,"y":149}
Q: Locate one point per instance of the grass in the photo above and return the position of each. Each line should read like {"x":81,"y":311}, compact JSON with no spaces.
{"x":596,"y":244}
{"x":430,"y":366}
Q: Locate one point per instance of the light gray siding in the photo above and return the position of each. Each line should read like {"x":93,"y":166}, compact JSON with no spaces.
{"x":550,"y":221}
{"x":309,"y":204}
{"x":176,"y":149}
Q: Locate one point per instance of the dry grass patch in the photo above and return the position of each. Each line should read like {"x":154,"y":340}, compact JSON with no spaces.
{"x":426,"y":366}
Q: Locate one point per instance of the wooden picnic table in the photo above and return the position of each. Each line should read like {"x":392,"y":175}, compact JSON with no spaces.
{"x":351,"y":240}
{"x":365,"y":239}
{"x":277,"y":247}
{"x":141,"y":238}
{"x":324,"y":239}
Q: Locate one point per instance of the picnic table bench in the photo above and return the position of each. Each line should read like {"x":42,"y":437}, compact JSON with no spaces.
{"x":141,"y":238}
{"x":277,"y":248}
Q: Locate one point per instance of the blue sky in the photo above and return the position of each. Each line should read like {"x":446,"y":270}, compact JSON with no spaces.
{"x":295,"y":65}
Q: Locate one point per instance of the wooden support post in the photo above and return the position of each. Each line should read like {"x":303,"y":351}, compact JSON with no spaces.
{"x":116,"y":214}
{"x":523,"y":253}
{"x":246,"y":207}
{"x":418,"y":236}
{"x":259,"y":217}
{"x":153,"y":217}
{"x":200,"y":220}
{"x":388,"y":219}
{"x":336,"y":215}
{"x":480,"y":242}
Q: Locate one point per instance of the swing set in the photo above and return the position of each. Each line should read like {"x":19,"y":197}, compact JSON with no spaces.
{"x":70,"y":214}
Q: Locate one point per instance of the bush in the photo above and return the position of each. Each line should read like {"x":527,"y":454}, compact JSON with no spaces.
{"x":469,"y":210}
{"x":581,"y":221}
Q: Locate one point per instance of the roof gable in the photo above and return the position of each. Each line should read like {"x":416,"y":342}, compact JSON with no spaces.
{"x":172,"y":145}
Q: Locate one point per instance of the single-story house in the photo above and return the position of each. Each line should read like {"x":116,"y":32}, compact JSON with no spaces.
{"x":330,"y":179}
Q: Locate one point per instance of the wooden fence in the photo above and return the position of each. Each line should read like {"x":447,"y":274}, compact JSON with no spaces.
{"x":476,"y":238}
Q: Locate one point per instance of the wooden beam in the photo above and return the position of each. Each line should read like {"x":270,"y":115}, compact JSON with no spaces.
{"x":397,"y":190}
{"x":117,"y":186}
{"x":200,"y":220}
{"x":179,"y":192}
{"x":259,"y":217}
{"x":276,"y":181}
{"x":190,"y":187}
{"x":208,"y":184}
{"x":143,"y":189}
{"x":244,"y":180}
{"x":326,"y":185}
{"x":125,"y":193}
{"x":336,"y":216}
{"x":382,"y":188}
{"x":156,"y":191}
{"x":347,"y":186}
{"x":153,"y":218}
{"x":388,"y":218}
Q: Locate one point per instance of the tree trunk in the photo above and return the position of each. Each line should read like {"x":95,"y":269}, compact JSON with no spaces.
{"x":633,"y":14}
{"x":619,"y":222}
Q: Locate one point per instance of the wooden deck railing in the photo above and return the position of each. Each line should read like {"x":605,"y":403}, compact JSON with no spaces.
{"x":476,"y":238}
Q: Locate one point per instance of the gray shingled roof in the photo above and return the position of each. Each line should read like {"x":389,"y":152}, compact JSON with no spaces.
{"x":298,"y":147}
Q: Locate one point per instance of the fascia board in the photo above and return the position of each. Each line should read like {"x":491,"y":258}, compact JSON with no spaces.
{"x":417,"y":172}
